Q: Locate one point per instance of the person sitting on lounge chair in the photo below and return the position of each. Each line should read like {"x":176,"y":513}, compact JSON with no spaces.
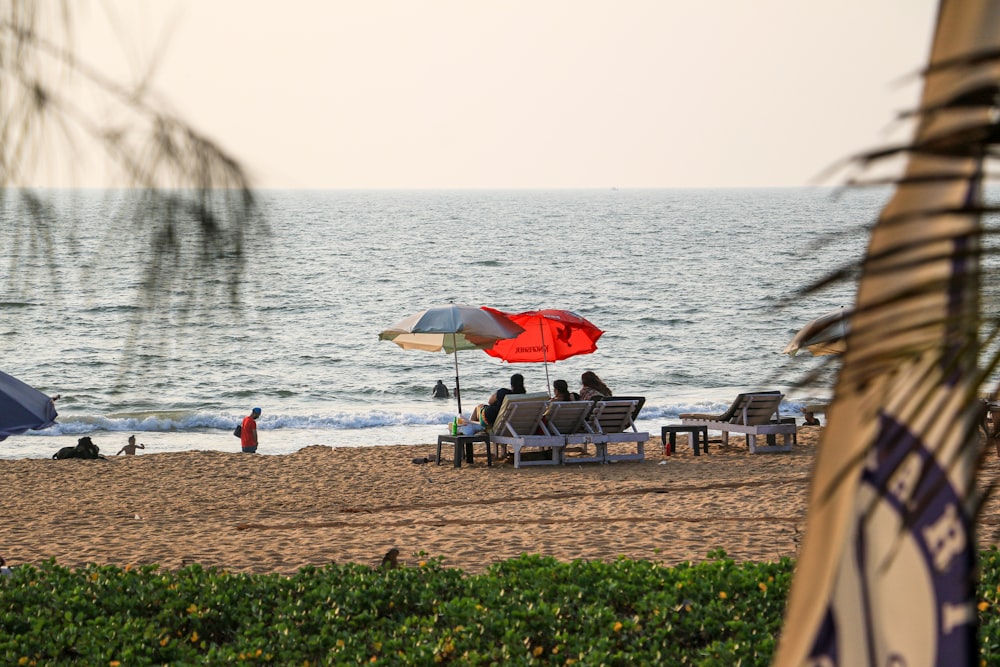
{"x":561,"y":392}
{"x":486,"y":413}
{"x":592,"y":387}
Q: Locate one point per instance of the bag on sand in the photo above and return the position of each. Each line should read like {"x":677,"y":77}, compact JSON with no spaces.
{"x":238,"y":431}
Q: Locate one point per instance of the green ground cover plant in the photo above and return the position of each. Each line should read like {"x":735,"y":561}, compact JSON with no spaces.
{"x":526,"y":611}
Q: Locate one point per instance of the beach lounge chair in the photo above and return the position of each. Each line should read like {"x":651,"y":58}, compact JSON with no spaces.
{"x":752,"y":414}
{"x":569,"y":420}
{"x":519,"y":424}
{"x":612,"y":420}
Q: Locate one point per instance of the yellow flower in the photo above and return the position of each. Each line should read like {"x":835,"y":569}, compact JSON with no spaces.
{"x":193,"y":608}
{"x":618,"y":626}
{"x":194,"y":636}
{"x":722,"y":594}
{"x":538,"y":651}
{"x":114,"y":663}
{"x":762,"y":586}
{"x":984,"y":605}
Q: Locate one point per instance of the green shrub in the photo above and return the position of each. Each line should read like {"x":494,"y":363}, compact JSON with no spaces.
{"x":530,"y":610}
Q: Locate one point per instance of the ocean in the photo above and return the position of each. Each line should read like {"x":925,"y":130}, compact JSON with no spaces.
{"x":697,"y":291}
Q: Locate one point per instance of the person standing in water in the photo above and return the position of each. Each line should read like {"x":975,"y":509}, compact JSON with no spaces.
{"x":129,"y":449}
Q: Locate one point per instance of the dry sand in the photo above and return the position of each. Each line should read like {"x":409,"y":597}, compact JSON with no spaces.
{"x":321,"y":505}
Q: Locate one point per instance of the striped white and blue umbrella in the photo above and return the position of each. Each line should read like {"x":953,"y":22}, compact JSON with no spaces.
{"x":451,"y":328}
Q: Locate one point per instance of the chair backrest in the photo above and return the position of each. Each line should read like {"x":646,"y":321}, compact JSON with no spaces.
{"x":758,"y":408}
{"x":567,"y":417}
{"x":520,"y":414}
{"x":734,"y":414}
{"x":639,"y":402}
{"x":614,"y":414}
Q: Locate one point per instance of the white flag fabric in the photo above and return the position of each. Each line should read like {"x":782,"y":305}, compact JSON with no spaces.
{"x":886,"y":571}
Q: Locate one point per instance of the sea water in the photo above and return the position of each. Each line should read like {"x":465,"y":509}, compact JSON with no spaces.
{"x":697,"y":290}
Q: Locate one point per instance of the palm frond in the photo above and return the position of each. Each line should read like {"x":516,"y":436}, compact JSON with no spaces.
{"x":191,"y":202}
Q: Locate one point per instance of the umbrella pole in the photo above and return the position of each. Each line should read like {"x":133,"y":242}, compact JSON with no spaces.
{"x":545,"y":356}
{"x":458,"y":390}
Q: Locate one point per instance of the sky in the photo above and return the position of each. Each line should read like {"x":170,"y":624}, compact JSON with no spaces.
{"x":526,"y":94}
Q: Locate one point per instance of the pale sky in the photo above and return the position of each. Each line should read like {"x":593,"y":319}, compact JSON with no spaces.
{"x":529,"y":94}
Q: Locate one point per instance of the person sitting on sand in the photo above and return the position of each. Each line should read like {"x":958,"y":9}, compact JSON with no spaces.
{"x":561,"y":392}
{"x":440,"y":391}
{"x":129,"y":449}
{"x":486,"y":413}
{"x":809,"y":419}
{"x":592,"y":387}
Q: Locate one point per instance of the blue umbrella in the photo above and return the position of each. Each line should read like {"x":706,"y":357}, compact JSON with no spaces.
{"x":23,"y":408}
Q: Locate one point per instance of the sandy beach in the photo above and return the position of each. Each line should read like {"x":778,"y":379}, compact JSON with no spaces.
{"x":321,"y":505}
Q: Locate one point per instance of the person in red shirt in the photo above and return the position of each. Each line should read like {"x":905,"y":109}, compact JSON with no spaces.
{"x":248,"y":436}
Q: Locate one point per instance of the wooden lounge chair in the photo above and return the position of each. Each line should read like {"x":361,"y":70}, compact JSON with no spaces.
{"x":519,"y":424}
{"x":752,"y":414}
{"x":613,"y":421}
{"x":569,"y":420}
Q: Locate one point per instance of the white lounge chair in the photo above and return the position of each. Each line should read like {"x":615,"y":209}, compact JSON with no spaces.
{"x":752,"y":414}
{"x":569,"y":420}
{"x":613,"y":421}
{"x":519,"y":424}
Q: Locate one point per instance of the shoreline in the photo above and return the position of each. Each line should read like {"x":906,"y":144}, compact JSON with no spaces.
{"x":323,"y":505}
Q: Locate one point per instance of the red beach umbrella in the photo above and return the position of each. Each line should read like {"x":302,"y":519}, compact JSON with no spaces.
{"x":549,"y":335}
